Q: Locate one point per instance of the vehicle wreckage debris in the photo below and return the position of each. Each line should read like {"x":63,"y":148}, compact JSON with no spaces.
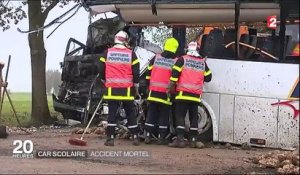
{"x":19,"y":130}
{"x":285,"y":162}
{"x":103,"y":124}
{"x":100,"y":130}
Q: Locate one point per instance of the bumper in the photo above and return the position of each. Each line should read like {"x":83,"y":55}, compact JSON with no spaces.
{"x":61,"y":107}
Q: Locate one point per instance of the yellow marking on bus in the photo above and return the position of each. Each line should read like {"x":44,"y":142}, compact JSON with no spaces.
{"x":292,"y":90}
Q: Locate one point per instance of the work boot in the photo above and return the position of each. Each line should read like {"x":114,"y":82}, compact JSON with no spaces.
{"x":178,"y":142}
{"x":148,"y":138}
{"x":193,"y":142}
{"x":110,"y":141}
{"x":136,"y":141}
{"x":162,"y":140}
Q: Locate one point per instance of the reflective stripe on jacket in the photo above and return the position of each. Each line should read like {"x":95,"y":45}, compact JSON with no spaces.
{"x":110,"y":96}
{"x":161,"y":73}
{"x":118,"y":71}
{"x":191,"y":78}
{"x":159,"y":99}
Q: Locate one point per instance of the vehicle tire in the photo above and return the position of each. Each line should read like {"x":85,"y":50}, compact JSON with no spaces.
{"x":205,"y":124}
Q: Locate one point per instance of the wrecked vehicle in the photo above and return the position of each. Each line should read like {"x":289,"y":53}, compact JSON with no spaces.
{"x":253,"y":97}
{"x":81,"y":90}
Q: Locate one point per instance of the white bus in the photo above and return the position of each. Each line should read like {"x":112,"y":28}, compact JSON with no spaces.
{"x":254,"y":93}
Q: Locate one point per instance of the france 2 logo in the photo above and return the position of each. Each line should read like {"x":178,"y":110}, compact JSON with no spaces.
{"x":272,"y":22}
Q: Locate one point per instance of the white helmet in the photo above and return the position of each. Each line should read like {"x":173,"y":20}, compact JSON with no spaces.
{"x":121,"y":37}
{"x":193,"y":49}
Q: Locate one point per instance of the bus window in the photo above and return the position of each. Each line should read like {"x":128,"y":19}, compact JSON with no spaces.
{"x":254,"y":46}
{"x":292,"y":43}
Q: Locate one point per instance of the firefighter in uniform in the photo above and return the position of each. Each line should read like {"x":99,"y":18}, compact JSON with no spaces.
{"x":189,"y":73}
{"x":158,"y":78}
{"x":119,"y":68}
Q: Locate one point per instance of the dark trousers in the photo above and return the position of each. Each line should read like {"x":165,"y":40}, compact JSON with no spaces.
{"x":181,"y":108}
{"x":158,"y":114}
{"x":113,"y":107}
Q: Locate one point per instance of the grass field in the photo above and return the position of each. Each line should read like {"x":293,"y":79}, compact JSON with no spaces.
{"x":22,"y":104}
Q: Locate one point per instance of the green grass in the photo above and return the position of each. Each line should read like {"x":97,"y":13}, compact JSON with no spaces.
{"x":22,"y":104}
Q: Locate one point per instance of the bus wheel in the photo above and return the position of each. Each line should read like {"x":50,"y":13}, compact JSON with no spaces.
{"x":205,"y":128}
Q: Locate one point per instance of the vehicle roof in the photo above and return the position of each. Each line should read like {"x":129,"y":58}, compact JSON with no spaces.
{"x":192,"y":11}
{"x":97,"y":2}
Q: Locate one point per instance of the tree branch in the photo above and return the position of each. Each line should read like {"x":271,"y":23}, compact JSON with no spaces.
{"x":49,"y":8}
{"x":7,"y":3}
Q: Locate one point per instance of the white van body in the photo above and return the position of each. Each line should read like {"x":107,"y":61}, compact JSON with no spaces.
{"x":239,"y":99}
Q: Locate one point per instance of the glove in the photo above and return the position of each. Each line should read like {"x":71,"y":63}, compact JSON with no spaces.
{"x":171,"y":88}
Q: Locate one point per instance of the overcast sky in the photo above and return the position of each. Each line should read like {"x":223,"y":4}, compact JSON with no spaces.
{"x":16,"y":44}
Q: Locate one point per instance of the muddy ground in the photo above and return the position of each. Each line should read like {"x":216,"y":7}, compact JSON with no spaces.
{"x":214,"y":158}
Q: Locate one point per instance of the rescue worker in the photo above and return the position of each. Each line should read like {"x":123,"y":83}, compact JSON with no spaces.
{"x":189,"y":73}
{"x":158,"y":77}
{"x":119,"y":69}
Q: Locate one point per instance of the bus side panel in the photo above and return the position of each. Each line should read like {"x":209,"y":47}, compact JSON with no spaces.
{"x":255,"y":118}
{"x":226,"y":118}
{"x":288,"y":126}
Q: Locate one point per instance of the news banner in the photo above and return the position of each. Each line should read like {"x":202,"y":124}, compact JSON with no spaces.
{"x":24,"y":149}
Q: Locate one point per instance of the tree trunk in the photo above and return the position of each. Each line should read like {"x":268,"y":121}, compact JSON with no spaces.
{"x":39,"y":110}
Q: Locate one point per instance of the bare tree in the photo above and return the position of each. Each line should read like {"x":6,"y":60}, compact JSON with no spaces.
{"x":38,"y":11}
